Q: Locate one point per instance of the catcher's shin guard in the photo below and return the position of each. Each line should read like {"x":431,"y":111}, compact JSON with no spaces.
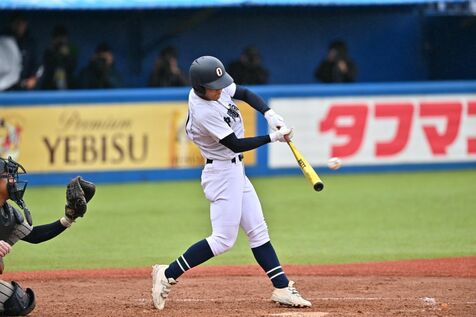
{"x":21,"y":302}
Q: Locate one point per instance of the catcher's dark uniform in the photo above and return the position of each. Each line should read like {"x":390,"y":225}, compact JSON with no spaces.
{"x":15,"y":226}
{"x":12,"y":228}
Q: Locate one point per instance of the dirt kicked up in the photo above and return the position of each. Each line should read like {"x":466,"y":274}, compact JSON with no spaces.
{"x":442,"y":287}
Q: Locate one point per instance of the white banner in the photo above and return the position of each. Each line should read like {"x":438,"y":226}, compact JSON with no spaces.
{"x":378,"y":130}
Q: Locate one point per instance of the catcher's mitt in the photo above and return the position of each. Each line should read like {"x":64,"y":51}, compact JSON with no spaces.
{"x":78,"y":193}
{"x":88,"y":188}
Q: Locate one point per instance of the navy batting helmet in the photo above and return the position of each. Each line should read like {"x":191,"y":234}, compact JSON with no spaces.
{"x":208,"y":72}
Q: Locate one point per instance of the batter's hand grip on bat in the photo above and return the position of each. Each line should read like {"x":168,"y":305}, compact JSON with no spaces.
{"x":306,"y":168}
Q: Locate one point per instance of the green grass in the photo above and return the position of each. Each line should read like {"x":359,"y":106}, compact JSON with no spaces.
{"x":356,"y":218}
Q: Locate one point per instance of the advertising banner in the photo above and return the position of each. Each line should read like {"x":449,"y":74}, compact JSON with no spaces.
{"x":379,"y":130}
{"x":102,"y":137}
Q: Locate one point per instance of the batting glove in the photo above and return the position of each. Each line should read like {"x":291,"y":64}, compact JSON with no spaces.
{"x":281,"y":133}
{"x":275,"y":121}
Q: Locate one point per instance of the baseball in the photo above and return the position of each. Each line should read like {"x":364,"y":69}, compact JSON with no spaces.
{"x":334,"y":163}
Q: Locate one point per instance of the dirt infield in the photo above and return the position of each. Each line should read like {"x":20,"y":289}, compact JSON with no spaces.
{"x":443,"y":287}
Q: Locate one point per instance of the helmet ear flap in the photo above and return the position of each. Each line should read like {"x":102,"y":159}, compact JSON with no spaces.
{"x":199,"y":90}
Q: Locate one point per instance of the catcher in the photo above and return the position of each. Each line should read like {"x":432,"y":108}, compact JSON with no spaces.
{"x":14,"y":226}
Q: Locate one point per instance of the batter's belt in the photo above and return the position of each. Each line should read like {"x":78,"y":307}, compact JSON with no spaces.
{"x":233,"y":160}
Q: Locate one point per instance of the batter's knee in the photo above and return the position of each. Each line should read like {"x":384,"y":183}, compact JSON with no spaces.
{"x":220,"y":242}
{"x":258,"y":235}
{"x":20,"y":303}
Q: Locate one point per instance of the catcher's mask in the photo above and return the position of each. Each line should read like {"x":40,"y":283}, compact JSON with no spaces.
{"x":15,"y":187}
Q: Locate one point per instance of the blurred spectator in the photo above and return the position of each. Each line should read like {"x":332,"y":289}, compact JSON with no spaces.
{"x":18,"y":29}
{"x":59,"y":61}
{"x":337,"y":67}
{"x":249,"y":70}
{"x":166,"y":72}
{"x":10,"y":62}
{"x":101,"y":71}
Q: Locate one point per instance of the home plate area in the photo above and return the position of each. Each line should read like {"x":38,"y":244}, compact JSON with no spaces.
{"x":413,"y":288}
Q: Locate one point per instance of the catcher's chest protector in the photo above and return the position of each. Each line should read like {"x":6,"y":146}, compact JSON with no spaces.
{"x":9,"y":219}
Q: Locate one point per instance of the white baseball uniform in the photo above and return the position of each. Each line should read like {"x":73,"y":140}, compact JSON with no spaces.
{"x":233,"y":199}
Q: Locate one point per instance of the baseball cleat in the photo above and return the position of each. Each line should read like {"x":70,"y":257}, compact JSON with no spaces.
{"x":160,"y":285}
{"x":289,"y":296}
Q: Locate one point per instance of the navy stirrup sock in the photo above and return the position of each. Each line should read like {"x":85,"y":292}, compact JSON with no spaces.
{"x":268,"y":260}
{"x":195,"y":255}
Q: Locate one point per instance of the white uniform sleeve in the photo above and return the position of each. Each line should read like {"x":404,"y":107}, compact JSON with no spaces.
{"x":215,"y":125}
{"x":230,"y":90}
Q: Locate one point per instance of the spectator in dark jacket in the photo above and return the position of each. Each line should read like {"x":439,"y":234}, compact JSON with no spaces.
{"x":337,"y":67}
{"x":101,"y":72}
{"x":166,"y":72}
{"x":18,"y":29}
{"x":249,"y":70}
{"x":59,"y":61}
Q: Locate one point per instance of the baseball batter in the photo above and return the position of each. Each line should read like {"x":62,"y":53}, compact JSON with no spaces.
{"x":215,"y":125}
{"x":15,"y":226}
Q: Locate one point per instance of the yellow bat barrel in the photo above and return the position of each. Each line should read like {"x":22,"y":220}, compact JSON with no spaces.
{"x":307,"y":169}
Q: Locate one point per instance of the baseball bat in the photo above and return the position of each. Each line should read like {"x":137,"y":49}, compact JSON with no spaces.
{"x":306,"y":168}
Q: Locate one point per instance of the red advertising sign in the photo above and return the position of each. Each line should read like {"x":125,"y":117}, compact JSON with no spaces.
{"x":381,"y":130}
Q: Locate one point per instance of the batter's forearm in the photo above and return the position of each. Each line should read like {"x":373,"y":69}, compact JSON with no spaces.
{"x":244,"y":144}
{"x":44,"y":232}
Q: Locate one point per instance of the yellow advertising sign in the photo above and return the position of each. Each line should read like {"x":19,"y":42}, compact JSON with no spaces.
{"x":89,"y":137}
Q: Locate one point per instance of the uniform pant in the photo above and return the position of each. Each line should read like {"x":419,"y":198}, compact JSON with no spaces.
{"x":233,"y":203}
